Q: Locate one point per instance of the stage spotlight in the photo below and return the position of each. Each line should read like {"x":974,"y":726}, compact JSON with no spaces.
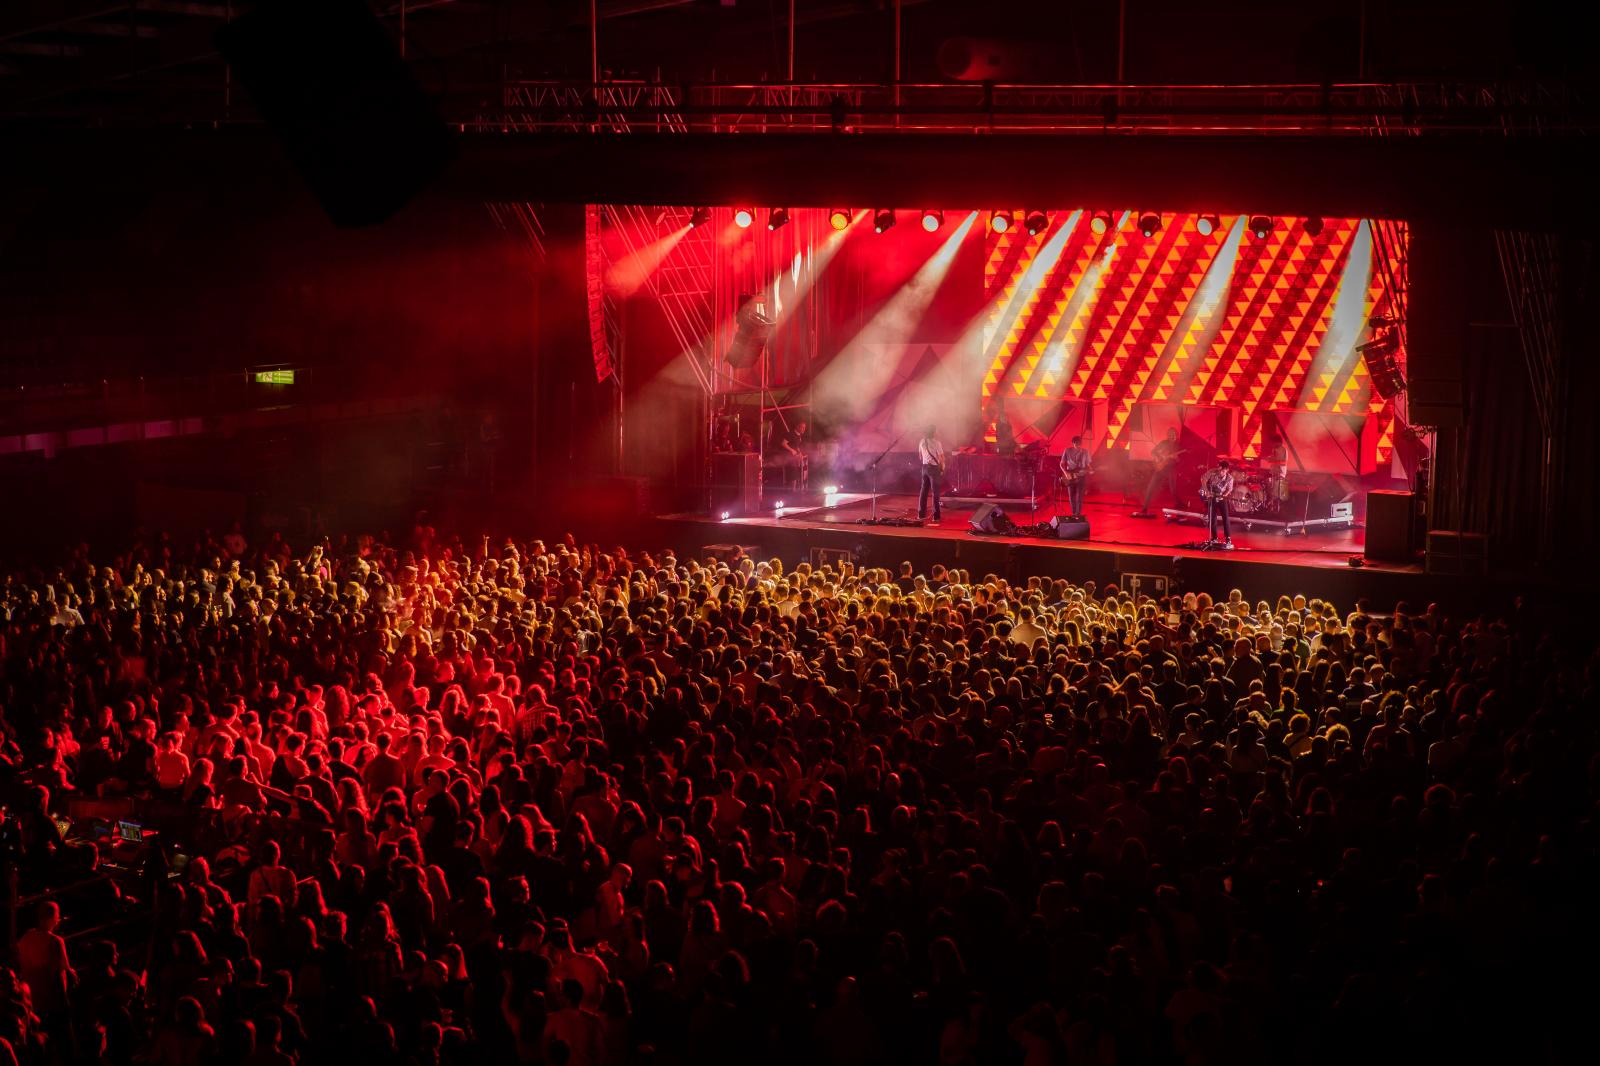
{"x":839,"y":218}
{"x":882,"y":219}
{"x":932,"y":220}
{"x":778,"y":218}
{"x":1149,"y":223}
{"x":1099,"y":222}
{"x":999,"y":221}
{"x":1313,"y":226}
{"x":1036,"y":222}
{"x":743,"y":216}
{"x":1260,"y":226}
{"x":699,"y":217}
{"x":726,"y":515}
{"x":1206,"y":225}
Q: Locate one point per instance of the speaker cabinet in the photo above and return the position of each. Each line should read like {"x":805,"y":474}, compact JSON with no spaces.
{"x":990,"y":518}
{"x":1066,"y":530}
{"x":1391,"y":526}
{"x":735,"y":483}
{"x":1453,"y":552}
{"x":750,"y":336}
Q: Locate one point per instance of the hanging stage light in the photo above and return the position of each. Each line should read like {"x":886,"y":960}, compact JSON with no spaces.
{"x":1099,"y":222}
{"x":1260,"y":226}
{"x":999,"y":221}
{"x":932,"y":220}
{"x":1206,"y":225}
{"x":778,"y":218}
{"x":743,"y":216}
{"x":1313,"y":226}
{"x":839,"y":218}
{"x":699,"y":217}
{"x":1149,"y":223}
{"x":882,"y":219}
{"x":1036,"y":222}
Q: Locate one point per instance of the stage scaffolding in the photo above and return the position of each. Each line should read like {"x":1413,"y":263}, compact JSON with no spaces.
{"x":1346,"y":109}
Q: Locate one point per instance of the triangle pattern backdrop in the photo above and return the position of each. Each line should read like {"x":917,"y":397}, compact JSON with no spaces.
{"x":1259,"y":324}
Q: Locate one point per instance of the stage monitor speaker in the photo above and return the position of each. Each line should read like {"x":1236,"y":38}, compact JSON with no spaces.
{"x":1068,"y":530}
{"x":1391,"y":526}
{"x":327,"y":79}
{"x":990,"y":518}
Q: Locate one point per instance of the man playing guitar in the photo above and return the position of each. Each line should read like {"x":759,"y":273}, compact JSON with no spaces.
{"x":1166,"y":455}
{"x":1216,"y":485}
{"x":931,"y":453}
{"x":1075,"y":469}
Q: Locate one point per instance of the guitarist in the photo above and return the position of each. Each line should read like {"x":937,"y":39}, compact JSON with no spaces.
{"x":1215,"y":487}
{"x":1166,"y":455}
{"x":1075,"y":468}
{"x":931,"y":453}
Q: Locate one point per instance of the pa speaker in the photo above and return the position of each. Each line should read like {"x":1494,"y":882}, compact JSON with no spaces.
{"x":750,"y":336}
{"x":1065,"y":530}
{"x":989,"y":518}
{"x":1391,"y":526}
{"x":736,"y":482}
{"x":328,"y":80}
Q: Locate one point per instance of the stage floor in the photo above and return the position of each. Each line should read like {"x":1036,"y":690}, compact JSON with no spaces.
{"x":1111,"y":525}
{"x":1154,"y":552}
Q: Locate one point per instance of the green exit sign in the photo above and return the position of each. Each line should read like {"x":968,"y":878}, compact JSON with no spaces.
{"x":274,"y":377}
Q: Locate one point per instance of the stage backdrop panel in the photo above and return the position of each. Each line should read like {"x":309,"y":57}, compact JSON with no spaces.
{"x":1054,"y":422}
{"x":1324,"y":443}
{"x":1227,"y":318}
{"x":1202,"y":431}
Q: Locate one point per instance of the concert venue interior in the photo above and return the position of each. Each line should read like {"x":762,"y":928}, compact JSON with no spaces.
{"x":811,"y":531}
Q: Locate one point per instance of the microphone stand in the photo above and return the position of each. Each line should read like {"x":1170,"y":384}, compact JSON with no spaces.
{"x":1031,"y":465}
{"x":874,"y":467}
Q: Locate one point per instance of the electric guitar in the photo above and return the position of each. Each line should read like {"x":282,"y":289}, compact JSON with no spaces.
{"x":1216,"y":488}
{"x":1163,"y":465}
{"x":1074,"y":477}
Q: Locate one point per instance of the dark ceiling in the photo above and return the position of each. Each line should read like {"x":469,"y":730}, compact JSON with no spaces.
{"x":153,"y":62}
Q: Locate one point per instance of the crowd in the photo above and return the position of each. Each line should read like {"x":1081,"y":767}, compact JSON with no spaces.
{"x":425,"y":800}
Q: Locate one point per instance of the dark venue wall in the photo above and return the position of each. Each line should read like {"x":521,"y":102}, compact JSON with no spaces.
{"x":143,"y":290}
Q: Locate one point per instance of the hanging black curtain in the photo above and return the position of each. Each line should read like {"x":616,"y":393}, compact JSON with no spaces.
{"x":1487,"y":472}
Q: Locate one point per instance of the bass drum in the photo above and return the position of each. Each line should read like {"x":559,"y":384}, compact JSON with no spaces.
{"x":1247,"y":498}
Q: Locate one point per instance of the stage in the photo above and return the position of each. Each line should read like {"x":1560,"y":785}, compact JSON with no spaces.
{"x":1121,"y":549}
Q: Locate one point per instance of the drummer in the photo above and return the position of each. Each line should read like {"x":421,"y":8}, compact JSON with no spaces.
{"x":1277,"y":464}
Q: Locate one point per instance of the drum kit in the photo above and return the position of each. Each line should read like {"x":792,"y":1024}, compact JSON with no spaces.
{"x":1256,"y":489}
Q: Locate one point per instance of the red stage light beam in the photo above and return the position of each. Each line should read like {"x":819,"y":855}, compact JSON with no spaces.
{"x":851,"y":386}
{"x":628,"y":275}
